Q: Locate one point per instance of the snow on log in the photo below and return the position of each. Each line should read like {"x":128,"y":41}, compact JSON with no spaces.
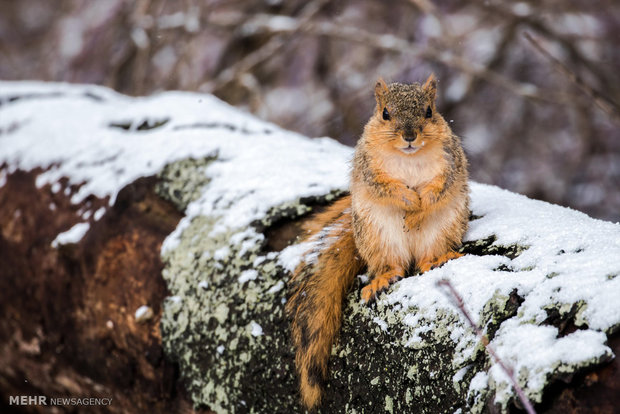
{"x":540,"y":279}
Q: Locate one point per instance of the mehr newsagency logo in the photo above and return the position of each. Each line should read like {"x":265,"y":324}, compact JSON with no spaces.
{"x":43,"y":400}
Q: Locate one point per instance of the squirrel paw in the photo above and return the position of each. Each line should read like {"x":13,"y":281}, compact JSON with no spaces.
{"x":426,"y":265}
{"x":379,"y":284}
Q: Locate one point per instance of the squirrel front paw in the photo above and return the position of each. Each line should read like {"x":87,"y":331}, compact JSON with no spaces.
{"x":409,"y":199}
{"x":426,"y":265}
{"x":379,"y":284}
{"x":431,"y":193}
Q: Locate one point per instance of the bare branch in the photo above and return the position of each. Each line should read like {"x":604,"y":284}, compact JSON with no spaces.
{"x":609,"y":107}
{"x":458,"y":301}
{"x":386,"y":42}
{"x":263,"y":53}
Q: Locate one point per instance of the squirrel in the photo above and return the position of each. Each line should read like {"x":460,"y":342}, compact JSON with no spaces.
{"x":408,"y":205}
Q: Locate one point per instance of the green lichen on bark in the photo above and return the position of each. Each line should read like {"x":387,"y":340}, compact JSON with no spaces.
{"x":225,"y":326}
{"x":224,"y":323}
{"x":226,"y":334}
{"x":372,"y":370}
{"x":181,"y":182}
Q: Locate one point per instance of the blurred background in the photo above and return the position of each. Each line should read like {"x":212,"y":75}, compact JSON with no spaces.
{"x":531,"y":86}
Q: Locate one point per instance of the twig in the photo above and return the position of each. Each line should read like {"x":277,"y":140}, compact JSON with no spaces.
{"x":394,"y":44}
{"x":609,"y":107}
{"x":458,"y":301}
{"x":263,"y":53}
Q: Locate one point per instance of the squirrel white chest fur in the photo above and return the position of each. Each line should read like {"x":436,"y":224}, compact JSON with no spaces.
{"x":385,"y":225}
{"x":413,"y":171}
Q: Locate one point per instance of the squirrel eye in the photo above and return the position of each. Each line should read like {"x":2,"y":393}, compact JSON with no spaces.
{"x":429,"y":112}
{"x":386,"y":114}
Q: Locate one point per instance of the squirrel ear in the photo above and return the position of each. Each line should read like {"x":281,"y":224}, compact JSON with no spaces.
{"x":381,"y":89}
{"x":430,"y":86}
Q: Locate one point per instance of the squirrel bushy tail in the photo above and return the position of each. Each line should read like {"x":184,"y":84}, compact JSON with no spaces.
{"x":318,"y":288}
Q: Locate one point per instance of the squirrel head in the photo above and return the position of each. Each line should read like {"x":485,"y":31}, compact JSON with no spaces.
{"x":405,"y":119}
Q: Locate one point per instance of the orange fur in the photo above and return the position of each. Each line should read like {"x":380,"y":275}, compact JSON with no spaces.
{"x":319,"y":289}
{"x":427,"y":264}
{"x":408,"y":205}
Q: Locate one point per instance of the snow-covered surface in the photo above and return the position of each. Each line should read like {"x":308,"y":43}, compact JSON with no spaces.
{"x":143,"y":312}
{"x":256,"y":329}
{"x":568,"y":258}
{"x":247,"y":275}
{"x":73,"y":235}
{"x":69,"y":130}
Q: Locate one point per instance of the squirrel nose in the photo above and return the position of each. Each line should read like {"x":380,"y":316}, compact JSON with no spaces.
{"x":409,"y":138}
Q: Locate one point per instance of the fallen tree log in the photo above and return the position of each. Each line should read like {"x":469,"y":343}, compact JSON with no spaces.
{"x":93,"y":182}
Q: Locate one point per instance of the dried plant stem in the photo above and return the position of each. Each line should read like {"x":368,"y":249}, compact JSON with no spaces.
{"x":458,"y":301}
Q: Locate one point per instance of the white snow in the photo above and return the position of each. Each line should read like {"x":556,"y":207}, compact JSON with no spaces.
{"x":247,"y":275}
{"x":308,"y":251}
{"x":551,"y":353}
{"x":73,"y":235}
{"x":291,"y":256}
{"x":570,"y":258}
{"x":256,"y":329}
{"x":221,"y":253}
{"x":478,"y":382}
{"x":277,"y":287}
{"x":460,"y":374}
{"x":382,"y":324}
{"x":99,"y":213}
{"x":244,"y":184}
{"x":142,"y":312}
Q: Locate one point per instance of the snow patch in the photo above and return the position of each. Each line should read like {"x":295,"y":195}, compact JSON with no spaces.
{"x":382,"y":324}
{"x":256,"y":329}
{"x":290,"y":257}
{"x":99,"y":213}
{"x":565,"y":258}
{"x":221,"y":253}
{"x":242,"y":187}
{"x":277,"y":287}
{"x":73,"y":235}
{"x":143,"y":313}
{"x":247,"y":275}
